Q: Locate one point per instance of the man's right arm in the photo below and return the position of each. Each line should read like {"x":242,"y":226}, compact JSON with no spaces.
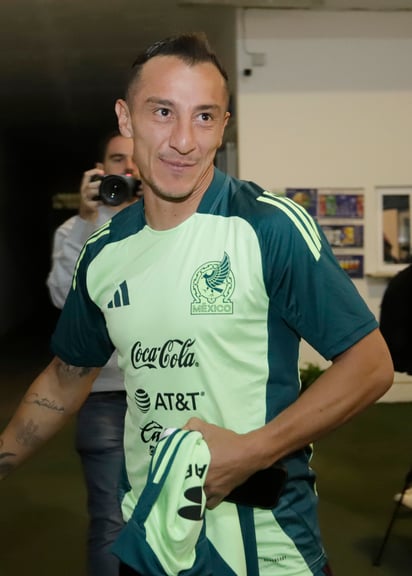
{"x":70,"y":237}
{"x":68,"y":241}
{"x":51,"y":400}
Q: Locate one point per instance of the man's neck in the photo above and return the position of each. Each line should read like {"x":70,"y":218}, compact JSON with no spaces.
{"x":164,"y":214}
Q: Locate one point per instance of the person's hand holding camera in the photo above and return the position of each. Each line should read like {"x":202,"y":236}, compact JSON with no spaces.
{"x":89,"y":192}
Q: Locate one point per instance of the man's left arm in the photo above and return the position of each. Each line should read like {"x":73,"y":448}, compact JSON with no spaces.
{"x":356,"y":379}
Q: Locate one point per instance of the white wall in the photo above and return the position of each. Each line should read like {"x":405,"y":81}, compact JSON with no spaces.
{"x":330,"y":107}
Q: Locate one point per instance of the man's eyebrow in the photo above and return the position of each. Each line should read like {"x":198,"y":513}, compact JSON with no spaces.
{"x":159,"y":101}
{"x":116,"y":155}
{"x":170,"y":104}
{"x":207,"y":107}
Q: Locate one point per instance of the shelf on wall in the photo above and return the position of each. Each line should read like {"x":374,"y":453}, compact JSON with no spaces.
{"x":380,"y":275}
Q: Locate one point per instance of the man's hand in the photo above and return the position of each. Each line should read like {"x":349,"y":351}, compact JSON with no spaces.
{"x":89,"y":190}
{"x":231,"y":462}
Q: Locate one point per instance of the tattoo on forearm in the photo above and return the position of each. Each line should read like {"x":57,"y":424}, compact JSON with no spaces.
{"x":74,"y":371}
{"x":26,"y":435}
{"x":5,"y":467}
{"x":6,"y":454}
{"x":34,"y":398}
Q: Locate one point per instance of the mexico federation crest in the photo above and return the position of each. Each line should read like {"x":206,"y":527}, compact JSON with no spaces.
{"x":212,"y":286}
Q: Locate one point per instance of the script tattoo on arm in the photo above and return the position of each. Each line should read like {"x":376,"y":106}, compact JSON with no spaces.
{"x":68,"y":371}
{"x":34,"y":398}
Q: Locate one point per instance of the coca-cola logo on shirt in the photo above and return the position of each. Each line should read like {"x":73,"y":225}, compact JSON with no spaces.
{"x":174,"y":353}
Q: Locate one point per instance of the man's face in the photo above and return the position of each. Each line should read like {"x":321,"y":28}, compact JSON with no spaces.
{"x":118,"y":160}
{"x":119,"y":157}
{"x":177,"y":115}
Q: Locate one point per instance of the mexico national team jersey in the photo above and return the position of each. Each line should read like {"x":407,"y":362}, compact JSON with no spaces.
{"x":207,"y":318}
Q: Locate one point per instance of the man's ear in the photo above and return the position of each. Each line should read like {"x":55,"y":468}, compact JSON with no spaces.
{"x":123,"y":116}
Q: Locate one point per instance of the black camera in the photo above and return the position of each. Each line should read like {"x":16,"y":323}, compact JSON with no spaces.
{"x":115,"y":189}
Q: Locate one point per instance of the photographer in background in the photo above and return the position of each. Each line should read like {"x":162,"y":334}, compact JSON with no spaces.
{"x":100,"y":421}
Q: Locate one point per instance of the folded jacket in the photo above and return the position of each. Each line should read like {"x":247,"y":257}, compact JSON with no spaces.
{"x":166,"y":534}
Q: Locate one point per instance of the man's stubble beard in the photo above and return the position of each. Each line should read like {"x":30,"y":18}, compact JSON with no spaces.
{"x":163,"y":194}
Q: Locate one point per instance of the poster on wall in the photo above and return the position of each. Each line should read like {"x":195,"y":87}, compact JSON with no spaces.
{"x":329,"y":202}
{"x":334,"y":203}
{"x":338,"y":212}
{"x":352,"y":264}
{"x":344,"y":235}
{"x":306,"y":197}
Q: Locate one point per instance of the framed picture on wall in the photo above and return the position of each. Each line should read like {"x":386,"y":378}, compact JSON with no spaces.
{"x":352,"y":264}
{"x":340,"y":203}
{"x":344,"y":235}
{"x":394,"y":230}
{"x":338,"y":212}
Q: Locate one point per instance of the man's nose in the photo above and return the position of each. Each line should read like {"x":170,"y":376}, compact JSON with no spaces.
{"x":130,"y":167}
{"x":182,"y":137}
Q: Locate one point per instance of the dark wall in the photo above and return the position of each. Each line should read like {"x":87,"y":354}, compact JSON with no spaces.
{"x":38,"y":161}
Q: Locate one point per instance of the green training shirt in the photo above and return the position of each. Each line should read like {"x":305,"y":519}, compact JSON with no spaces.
{"x":207,"y":319}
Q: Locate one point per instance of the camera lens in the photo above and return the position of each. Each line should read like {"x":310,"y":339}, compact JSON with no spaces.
{"x":116,"y":189}
{"x":113,"y":190}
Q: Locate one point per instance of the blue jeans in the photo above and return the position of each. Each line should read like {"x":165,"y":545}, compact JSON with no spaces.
{"x":99,"y":442}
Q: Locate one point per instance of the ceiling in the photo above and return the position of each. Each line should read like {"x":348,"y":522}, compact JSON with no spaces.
{"x":64,"y":61}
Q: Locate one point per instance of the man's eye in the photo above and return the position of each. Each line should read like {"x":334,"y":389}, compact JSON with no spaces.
{"x":205,"y":116}
{"x":163,"y":112}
